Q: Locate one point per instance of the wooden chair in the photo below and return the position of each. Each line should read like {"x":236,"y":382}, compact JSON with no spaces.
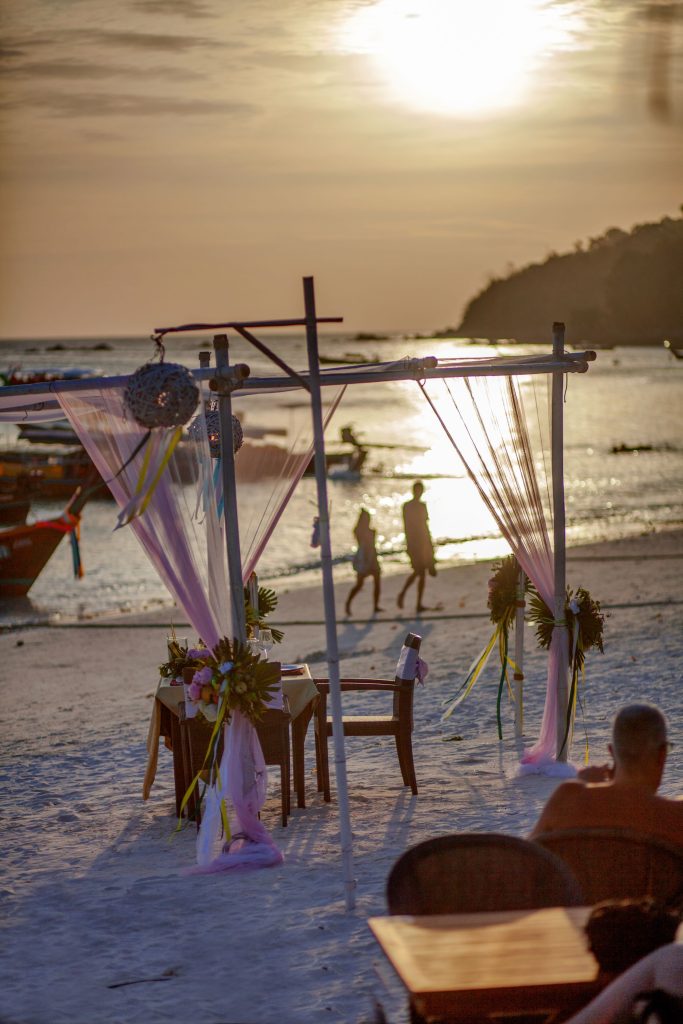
{"x":612,"y":863}
{"x":472,"y":872}
{"x":398,"y":724}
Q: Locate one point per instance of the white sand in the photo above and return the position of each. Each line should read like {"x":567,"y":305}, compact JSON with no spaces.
{"x":93,"y":893}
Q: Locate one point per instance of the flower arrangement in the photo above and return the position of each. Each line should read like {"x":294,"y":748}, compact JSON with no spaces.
{"x":266,"y":602}
{"x":503,"y":587}
{"x":229,"y":678}
{"x":180,"y":658}
{"x":585,"y":623}
{"x":502,"y":604}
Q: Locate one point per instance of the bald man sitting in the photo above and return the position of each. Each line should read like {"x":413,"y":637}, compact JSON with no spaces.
{"x":626,"y":796}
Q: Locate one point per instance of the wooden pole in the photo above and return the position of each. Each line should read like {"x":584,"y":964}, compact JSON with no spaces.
{"x":328,"y":596}
{"x":559,"y":541}
{"x":232,"y":532}
{"x":519,"y":655}
{"x":253,"y":600}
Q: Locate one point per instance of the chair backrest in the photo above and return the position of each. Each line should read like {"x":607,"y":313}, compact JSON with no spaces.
{"x":474,"y":872}
{"x":406,"y":671}
{"x":612,"y":863}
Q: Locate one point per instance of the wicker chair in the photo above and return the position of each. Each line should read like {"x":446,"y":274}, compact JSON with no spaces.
{"x":612,"y":863}
{"x":474,"y":872}
{"x":398,"y":724}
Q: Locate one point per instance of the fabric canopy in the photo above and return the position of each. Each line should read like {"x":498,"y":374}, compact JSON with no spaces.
{"x":182,"y":530}
{"x":485,"y":421}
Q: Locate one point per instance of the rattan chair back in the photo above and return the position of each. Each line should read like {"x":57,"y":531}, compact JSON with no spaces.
{"x":612,"y":863}
{"x":474,"y":872}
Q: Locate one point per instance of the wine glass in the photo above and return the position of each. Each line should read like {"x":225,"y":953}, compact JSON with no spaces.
{"x":266,"y":642}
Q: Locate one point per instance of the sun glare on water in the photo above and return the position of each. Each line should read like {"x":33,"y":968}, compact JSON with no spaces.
{"x":460,"y":57}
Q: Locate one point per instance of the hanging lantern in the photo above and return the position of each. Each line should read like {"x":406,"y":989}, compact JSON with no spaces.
{"x":213,"y":431}
{"x":161,"y":395}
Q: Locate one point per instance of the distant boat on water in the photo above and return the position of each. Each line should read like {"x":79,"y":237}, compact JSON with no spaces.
{"x":43,"y":375}
{"x":46,"y":474}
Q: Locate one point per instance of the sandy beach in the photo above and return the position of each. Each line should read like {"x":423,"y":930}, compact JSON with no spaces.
{"x":99,"y":922}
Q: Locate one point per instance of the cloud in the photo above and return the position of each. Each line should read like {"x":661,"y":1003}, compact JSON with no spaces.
{"x":183,"y":8}
{"x":123,"y":105}
{"x":78,"y":70}
{"x":151,"y":41}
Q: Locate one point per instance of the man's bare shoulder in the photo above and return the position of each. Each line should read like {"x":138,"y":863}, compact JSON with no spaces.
{"x":558,"y":809}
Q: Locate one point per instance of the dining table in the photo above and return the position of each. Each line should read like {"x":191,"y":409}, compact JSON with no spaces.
{"x":301,"y":694}
{"x":456,"y":968}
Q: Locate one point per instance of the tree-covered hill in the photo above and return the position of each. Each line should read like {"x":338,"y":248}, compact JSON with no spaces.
{"x":621,"y":288}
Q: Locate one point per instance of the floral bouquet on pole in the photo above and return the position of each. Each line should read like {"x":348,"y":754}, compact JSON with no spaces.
{"x":585,"y":623}
{"x":504,"y":592}
{"x":229,"y":678}
{"x":219,"y":683}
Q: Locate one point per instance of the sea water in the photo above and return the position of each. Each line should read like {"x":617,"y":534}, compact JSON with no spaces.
{"x":623,"y":456}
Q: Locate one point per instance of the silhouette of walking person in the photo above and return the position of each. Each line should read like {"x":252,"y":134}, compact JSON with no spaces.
{"x":419,"y":545}
{"x":365,"y":560}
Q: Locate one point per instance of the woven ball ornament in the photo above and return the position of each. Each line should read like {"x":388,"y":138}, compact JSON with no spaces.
{"x":161,"y":395}
{"x":213,"y":430}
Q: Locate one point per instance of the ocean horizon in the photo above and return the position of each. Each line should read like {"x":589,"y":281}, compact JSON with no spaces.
{"x":623,"y":466}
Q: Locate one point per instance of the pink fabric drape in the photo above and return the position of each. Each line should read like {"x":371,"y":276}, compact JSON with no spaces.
{"x":293,"y":467}
{"x":485,"y":421}
{"x":183,"y":535}
{"x":171,"y":538}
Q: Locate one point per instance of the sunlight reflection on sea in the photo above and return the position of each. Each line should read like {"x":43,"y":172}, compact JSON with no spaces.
{"x":629,"y":399}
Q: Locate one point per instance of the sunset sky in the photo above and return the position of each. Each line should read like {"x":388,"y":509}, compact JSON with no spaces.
{"x":166,"y":161}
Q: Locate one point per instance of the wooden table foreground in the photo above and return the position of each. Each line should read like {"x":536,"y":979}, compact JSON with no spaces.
{"x":459,"y":966}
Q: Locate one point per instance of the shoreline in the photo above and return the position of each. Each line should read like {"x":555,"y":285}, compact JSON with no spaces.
{"x":589,"y":551}
{"x":100,"y":921}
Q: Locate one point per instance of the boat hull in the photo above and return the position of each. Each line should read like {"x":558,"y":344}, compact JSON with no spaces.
{"x":26,"y":550}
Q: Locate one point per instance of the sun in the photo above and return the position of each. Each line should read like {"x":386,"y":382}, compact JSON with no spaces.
{"x":461,"y":57}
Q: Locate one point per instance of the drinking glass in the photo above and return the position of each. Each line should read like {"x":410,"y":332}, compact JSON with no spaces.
{"x":254,"y":645}
{"x":181,"y":641}
{"x":266,"y":642}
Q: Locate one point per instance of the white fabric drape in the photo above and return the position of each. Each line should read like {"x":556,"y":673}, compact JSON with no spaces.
{"x":485,"y":421}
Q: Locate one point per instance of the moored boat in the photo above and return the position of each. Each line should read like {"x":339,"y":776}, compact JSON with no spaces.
{"x":16,"y":494}
{"x":25,"y":550}
{"x":52,"y":474}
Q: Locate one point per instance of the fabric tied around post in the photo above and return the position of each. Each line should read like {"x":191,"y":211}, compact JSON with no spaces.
{"x":241,"y":779}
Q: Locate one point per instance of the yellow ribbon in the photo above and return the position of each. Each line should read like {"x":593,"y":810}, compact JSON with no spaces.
{"x":476,"y":668}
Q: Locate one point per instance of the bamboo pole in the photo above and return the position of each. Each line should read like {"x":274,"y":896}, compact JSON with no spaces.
{"x":559,"y":541}
{"x":253,"y":600}
{"x":571,"y":362}
{"x":328,"y":597}
{"x":232,"y":532}
{"x":519,"y":655}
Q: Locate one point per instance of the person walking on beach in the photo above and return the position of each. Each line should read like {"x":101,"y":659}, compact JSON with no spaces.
{"x":624,"y":796}
{"x":365,"y":560}
{"x":419,"y":545}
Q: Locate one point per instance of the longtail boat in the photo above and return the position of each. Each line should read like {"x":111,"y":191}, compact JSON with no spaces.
{"x":26,"y":550}
{"x":54,"y":475}
{"x":16,"y":494}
